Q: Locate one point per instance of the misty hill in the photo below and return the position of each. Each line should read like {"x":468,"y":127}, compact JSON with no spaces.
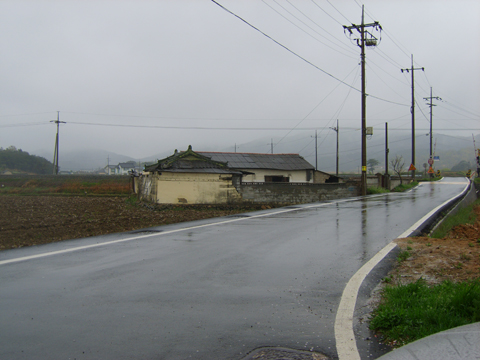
{"x":13,"y":159}
{"x":451,"y":149}
{"x":86,"y":159}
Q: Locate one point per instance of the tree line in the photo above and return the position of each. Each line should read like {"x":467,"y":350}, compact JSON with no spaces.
{"x":15,"y":159}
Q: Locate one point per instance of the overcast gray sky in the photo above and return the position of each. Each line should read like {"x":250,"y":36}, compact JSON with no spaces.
{"x":172,"y":73}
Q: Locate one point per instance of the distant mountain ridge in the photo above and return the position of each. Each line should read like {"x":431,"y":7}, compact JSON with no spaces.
{"x":450,"y":149}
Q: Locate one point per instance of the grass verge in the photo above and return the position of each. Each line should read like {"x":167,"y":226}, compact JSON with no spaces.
{"x":404,"y":187}
{"x":463,"y":216}
{"x":376,"y":190}
{"x":413,"y":311}
{"x":410,"y":311}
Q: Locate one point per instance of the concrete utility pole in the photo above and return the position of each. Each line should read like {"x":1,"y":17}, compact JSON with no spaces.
{"x":366,"y":39}
{"x":336,"y":129}
{"x":412,"y":109}
{"x":55,"y":152}
{"x":431,"y":118}
{"x":387,"y":150}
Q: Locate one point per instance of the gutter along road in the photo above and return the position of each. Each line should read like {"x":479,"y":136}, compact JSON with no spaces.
{"x":210,"y":289}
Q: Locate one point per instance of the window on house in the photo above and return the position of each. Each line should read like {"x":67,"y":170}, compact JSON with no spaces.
{"x":277,"y":178}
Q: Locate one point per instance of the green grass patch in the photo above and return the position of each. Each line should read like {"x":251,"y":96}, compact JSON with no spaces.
{"x":404,"y":187}
{"x":376,"y":190}
{"x":427,"y":179}
{"x":465,"y":215}
{"x":411,"y":312}
{"x":403,"y":255}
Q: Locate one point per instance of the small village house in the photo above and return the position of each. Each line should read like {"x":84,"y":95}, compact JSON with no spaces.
{"x":191,"y":177}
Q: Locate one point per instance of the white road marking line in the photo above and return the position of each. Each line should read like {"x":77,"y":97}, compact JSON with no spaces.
{"x":344,"y":335}
{"x":37,"y":256}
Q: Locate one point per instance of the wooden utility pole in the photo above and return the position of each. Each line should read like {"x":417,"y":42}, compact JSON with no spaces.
{"x":366,"y":39}
{"x":55,"y":152}
{"x":412,"y":109}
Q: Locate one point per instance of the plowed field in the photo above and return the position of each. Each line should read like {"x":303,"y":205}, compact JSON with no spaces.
{"x":33,"y":220}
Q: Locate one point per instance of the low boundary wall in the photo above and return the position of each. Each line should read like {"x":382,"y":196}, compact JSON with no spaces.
{"x":295,"y":193}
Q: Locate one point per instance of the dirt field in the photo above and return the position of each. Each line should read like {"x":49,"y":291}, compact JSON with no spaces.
{"x":455,"y":258}
{"x":33,"y":220}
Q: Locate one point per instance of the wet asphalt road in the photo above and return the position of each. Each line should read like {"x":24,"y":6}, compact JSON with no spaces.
{"x":213,"y":289}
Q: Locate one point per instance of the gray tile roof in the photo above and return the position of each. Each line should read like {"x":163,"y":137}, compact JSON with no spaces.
{"x":260,"y":161}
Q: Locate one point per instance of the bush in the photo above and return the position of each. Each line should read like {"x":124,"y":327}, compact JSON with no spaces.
{"x":376,"y":190}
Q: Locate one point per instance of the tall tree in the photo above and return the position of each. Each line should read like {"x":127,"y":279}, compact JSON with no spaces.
{"x":371,"y":163}
{"x":398,"y":165}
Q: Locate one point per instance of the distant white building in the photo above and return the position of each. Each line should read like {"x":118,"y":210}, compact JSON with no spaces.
{"x":122,"y":168}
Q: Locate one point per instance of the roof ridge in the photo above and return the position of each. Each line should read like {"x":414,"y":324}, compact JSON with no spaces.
{"x":246,"y":153}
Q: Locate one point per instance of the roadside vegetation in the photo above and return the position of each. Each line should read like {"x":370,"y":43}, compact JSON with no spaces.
{"x":412,"y":311}
{"x":463,"y":216}
{"x":435,"y":285}
{"x":405,"y":187}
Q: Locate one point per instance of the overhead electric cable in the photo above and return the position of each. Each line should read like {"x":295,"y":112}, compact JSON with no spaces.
{"x":314,"y":108}
{"x":338,"y":22}
{"x":25,"y":124}
{"x":187,"y":127}
{"x":314,"y":22}
{"x":300,"y":57}
{"x":339,"y":12}
{"x":321,"y":42}
{"x":279,"y":44}
{"x":460,"y":108}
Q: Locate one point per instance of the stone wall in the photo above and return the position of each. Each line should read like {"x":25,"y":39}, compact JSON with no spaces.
{"x":288,"y":193}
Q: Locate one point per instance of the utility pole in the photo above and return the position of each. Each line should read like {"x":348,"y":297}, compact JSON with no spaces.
{"x":336,"y":129}
{"x":431,"y":117}
{"x":55,"y":152}
{"x":316,"y":151}
{"x":387,"y":150}
{"x":271,"y":146}
{"x":412,"y":109}
{"x":366,"y":39}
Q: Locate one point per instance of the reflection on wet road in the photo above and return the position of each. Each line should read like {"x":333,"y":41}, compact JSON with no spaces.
{"x":212,"y":289}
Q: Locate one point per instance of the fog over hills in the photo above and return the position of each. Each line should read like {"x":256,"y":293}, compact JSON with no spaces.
{"x":450,"y":148}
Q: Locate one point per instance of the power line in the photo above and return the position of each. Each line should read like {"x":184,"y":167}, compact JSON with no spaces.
{"x":338,"y":22}
{"x":25,"y":124}
{"x":339,"y":12}
{"x":300,"y":57}
{"x":308,"y":27}
{"x":187,"y":127}
{"x":314,"y":108}
{"x":301,"y":12}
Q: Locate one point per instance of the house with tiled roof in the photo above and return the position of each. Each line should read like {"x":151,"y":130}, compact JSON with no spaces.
{"x":291,"y":168}
{"x":267,"y":167}
{"x":190,"y":178}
